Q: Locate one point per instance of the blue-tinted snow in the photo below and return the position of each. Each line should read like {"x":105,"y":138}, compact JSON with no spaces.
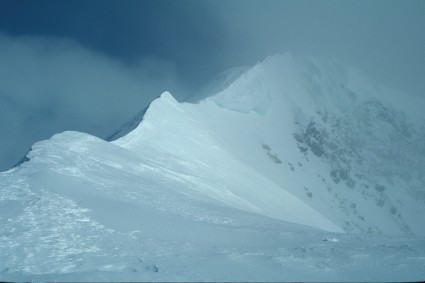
{"x":300,"y":170}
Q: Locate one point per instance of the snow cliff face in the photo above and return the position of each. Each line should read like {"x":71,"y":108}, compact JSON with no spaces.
{"x":260,"y":180}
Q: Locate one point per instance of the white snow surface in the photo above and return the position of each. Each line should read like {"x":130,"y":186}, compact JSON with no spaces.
{"x":300,"y":169}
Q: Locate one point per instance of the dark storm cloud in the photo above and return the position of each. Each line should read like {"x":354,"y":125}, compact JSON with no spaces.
{"x":179,"y":31}
{"x":384,"y":38}
{"x":133,"y":50}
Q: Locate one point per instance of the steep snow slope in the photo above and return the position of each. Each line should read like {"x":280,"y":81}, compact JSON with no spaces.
{"x":174,"y":138}
{"x":255,"y":183}
{"x":318,"y":129}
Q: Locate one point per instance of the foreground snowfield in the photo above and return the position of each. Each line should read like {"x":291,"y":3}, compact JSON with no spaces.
{"x":297,"y":170}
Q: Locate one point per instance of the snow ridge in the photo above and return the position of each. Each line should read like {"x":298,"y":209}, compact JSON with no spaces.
{"x":298,"y":169}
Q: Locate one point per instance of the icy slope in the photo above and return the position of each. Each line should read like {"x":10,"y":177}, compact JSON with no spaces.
{"x":184,"y":147}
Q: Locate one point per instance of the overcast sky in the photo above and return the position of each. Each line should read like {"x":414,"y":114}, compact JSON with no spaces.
{"x":90,"y":65}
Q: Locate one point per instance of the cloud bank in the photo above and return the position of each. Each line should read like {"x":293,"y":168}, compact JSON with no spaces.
{"x":48,"y":85}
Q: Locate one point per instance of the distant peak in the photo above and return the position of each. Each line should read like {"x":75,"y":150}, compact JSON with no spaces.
{"x":134,"y":122}
{"x":167,"y":95}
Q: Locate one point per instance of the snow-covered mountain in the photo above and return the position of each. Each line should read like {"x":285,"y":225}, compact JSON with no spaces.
{"x":297,"y":169}
{"x":350,"y":149}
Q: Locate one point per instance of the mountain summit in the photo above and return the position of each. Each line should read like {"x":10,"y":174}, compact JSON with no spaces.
{"x":297,"y":169}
